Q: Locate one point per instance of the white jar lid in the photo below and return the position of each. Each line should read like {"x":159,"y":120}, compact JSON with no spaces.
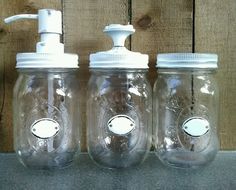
{"x":119,"y":56}
{"x":46,"y":60}
{"x":187,"y":61}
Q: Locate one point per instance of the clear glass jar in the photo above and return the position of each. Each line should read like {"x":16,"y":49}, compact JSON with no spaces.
{"x":119,"y":109}
{"x":185,"y":109}
{"x":46,"y":117}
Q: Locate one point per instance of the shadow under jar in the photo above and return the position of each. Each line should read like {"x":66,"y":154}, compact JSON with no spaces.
{"x":185,"y":109}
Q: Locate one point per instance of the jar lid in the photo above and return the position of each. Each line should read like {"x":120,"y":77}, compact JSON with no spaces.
{"x":46,"y":60}
{"x":119,"y":56}
{"x":187,"y":61}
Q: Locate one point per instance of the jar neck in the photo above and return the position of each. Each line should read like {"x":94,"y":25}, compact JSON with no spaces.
{"x":119,"y":74}
{"x":47,"y":70}
{"x":187,"y":71}
{"x":115,"y":71}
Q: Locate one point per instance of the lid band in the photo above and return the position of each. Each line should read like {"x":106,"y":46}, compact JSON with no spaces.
{"x":187,"y":60}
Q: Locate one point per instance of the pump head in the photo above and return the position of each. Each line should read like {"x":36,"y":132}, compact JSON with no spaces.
{"x":49,"y":28}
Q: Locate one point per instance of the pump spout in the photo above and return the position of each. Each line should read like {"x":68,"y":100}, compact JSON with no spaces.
{"x":20,"y":17}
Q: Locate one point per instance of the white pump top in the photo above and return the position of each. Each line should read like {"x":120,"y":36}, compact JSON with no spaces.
{"x":119,"y":56}
{"x":49,"y":51}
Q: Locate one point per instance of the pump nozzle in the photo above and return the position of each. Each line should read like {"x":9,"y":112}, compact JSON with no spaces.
{"x":49,"y":28}
{"x":119,"y":33}
{"x":20,"y":17}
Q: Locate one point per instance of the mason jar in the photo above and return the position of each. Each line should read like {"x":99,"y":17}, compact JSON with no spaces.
{"x":119,"y":117}
{"x":46,"y":117}
{"x":45,"y":99}
{"x":185,"y":109}
{"x":119,"y":105}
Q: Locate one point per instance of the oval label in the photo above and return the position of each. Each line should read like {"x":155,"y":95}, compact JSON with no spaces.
{"x":45,"y":128}
{"x":121,"y":124}
{"x":196,"y":126}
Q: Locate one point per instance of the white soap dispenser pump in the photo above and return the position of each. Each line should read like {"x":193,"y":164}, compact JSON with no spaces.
{"x":45,"y":99}
{"x":49,"y":50}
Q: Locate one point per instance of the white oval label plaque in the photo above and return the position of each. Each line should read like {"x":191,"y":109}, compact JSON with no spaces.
{"x":45,"y":128}
{"x":121,"y":124}
{"x":196,"y":126}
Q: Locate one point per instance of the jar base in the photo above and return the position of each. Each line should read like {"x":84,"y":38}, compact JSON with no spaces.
{"x":47,"y":161}
{"x":118,"y":161}
{"x":186,"y":159}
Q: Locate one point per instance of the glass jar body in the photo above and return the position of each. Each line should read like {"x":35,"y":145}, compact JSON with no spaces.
{"x":119,"y":109}
{"x":45,"y":111}
{"x":185,"y":112}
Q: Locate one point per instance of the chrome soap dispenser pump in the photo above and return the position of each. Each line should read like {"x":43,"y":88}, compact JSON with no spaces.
{"x":119,"y":104}
{"x":45,"y":107}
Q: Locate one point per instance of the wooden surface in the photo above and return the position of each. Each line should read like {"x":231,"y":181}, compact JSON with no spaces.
{"x":215,"y":31}
{"x":161,"y":26}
